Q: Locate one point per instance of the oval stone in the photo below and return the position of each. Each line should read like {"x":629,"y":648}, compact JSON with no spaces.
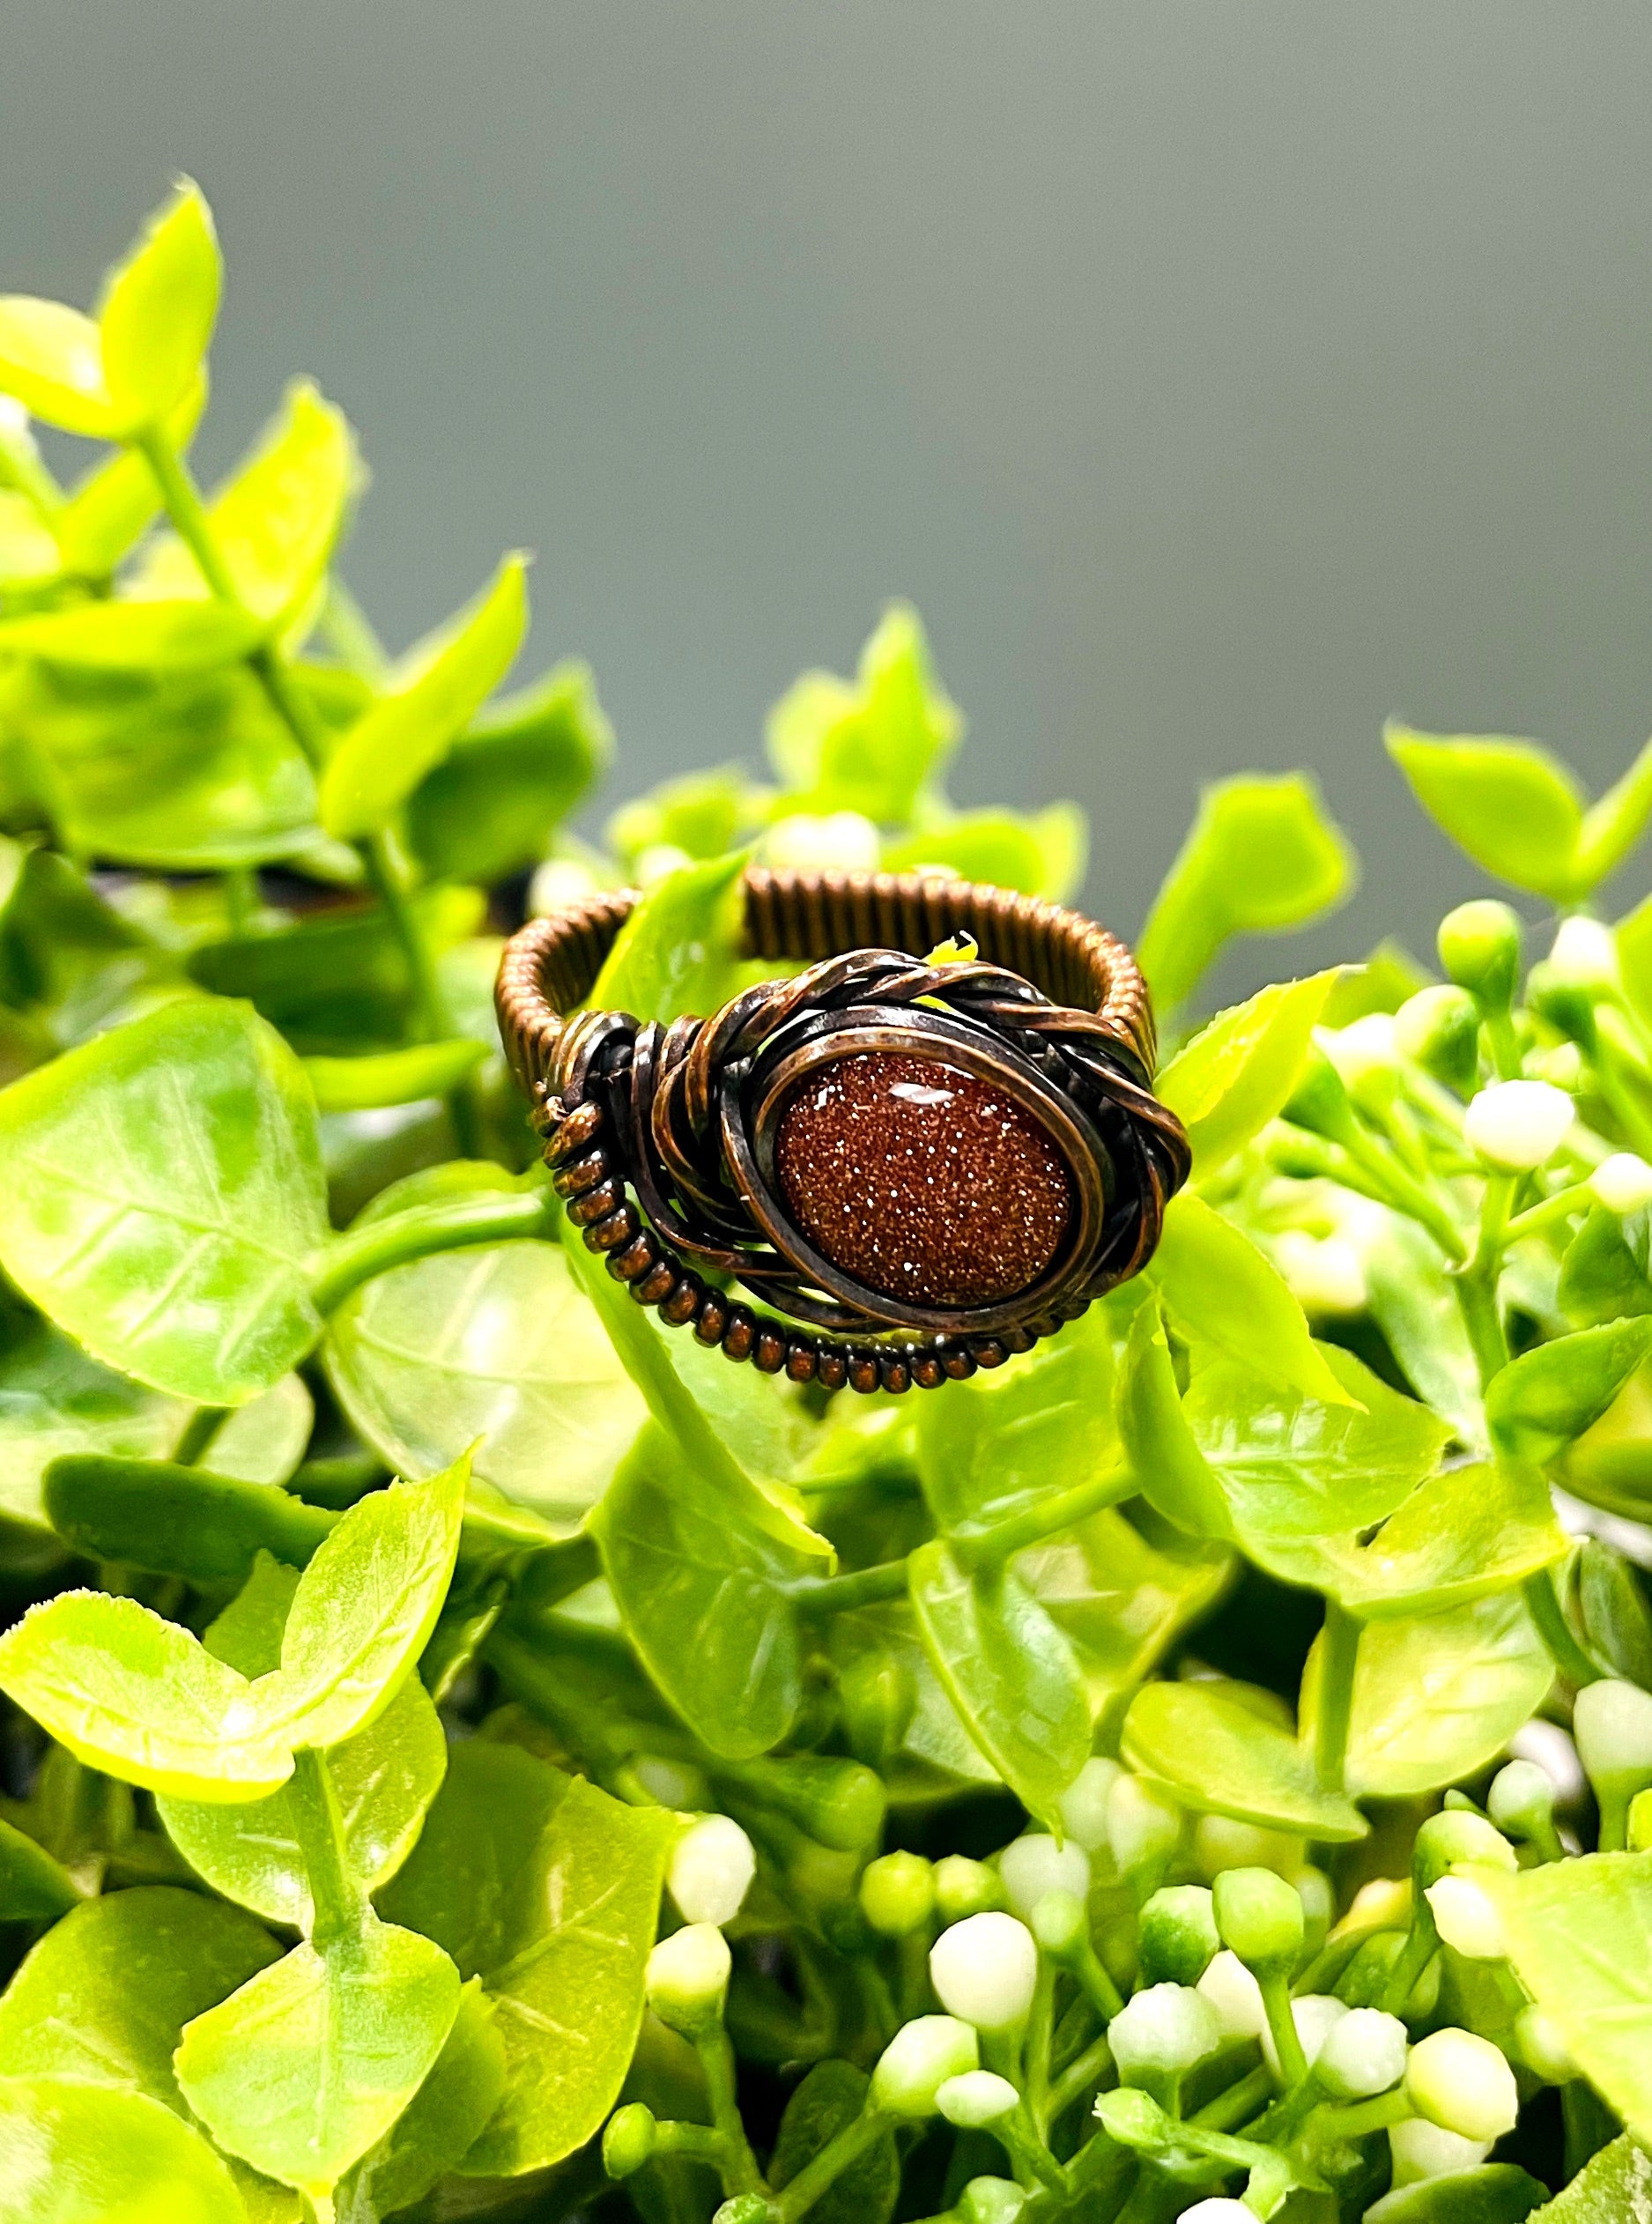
{"x":921,"y":1182}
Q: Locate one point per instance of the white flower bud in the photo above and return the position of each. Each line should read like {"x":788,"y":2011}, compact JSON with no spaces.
{"x":1035,"y":1865}
{"x":1316,"y":2015}
{"x":1542,"y":2041}
{"x":1585,"y":955}
{"x":984,"y":1969}
{"x":1084,"y":1804}
{"x":1362,"y":1052}
{"x":658,"y":859}
{"x":835,"y":842}
{"x":1612,"y":1723}
{"x":687,"y":1977}
{"x":1555,"y":1753}
{"x":1364,"y":2054}
{"x":1521,"y":1801}
{"x":1324,"y":1277}
{"x":712,"y":1868}
{"x":1236,"y":1997}
{"x":1424,"y":2150}
{"x":1219,"y":2211}
{"x":977,"y":2098}
{"x":1466,"y":1914}
{"x":558,"y":883}
{"x":1162,"y":2032}
{"x":919,"y":2060}
{"x":1516,"y":1125}
{"x":1623,"y":1182}
{"x":1142,"y":1825}
{"x":1462,"y":2082}
{"x":991,"y":2201}
{"x":1383,"y":1904}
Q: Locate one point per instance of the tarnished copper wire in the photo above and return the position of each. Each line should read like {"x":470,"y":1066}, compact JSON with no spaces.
{"x":1053,"y":1009}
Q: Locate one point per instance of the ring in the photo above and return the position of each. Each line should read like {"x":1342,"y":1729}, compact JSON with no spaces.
{"x":924,"y":1166}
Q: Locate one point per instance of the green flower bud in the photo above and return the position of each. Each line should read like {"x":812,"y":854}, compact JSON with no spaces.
{"x":1612,"y":1723}
{"x":984,"y":1969}
{"x":1363,"y":2054}
{"x":1084,"y":1804}
{"x":712,"y":1867}
{"x":629,"y":2140}
{"x":1567,"y":1006}
{"x":1479,"y":948}
{"x":1143,"y":1825}
{"x":839,"y":1803}
{"x":1221,"y":1842}
{"x":898,"y":1894}
{"x":977,"y":2099}
{"x":1318,"y":1896}
{"x":1462,"y":2082}
{"x":964,"y":1888}
{"x":1178,"y":1939}
{"x":1035,"y":1865}
{"x":1421,"y":2150}
{"x":1439,"y":1029}
{"x":991,"y":2201}
{"x":1161,"y":2033}
{"x":1543,"y":2048}
{"x":1060,"y":1924}
{"x":919,"y":2060}
{"x":878,"y":1694}
{"x":1457,"y":1835}
{"x":1259,"y":1916}
{"x":1521,"y":1801}
{"x":687,"y":1978}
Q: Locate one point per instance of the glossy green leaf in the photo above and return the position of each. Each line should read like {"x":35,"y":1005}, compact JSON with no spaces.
{"x":307,"y":2065}
{"x":1603,"y":1276}
{"x":105,"y":1994}
{"x":1633,"y":937}
{"x":165,"y":1198}
{"x":1491,"y":2193}
{"x":1461,"y":1535}
{"x":264,"y":1440}
{"x":75,"y":2154}
{"x":67,"y":958}
{"x":34,"y":1887}
{"x":1410,"y":1299}
{"x":1611,"y":1465}
{"x":1172,"y":1472}
{"x":1545,"y":1400}
{"x":444,"y":2118}
{"x":495,"y":1344}
{"x":547,"y":1890}
{"x":1261,"y":857}
{"x":1511,"y":806}
{"x":675,"y":952}
{"x":51,"y":359}
{"x":177,"y":636}
{"x":158,"y":309}
{"x":827,"y":2101}
{"x":54,"y":1398}
{"x":702,"y":1589}
{"x":1579,"y":1936}
{"x":393,"y":1077}
{"x":936,"y":1751}
{"x":510,"y":779}
{"x":873,"y":747}
{"x":1217,"y":1756}
{"x":1438,"y":1696}
{"x":176,"y":1521}
{"x":1009,"y":1669}
{"x":383,"y":757}
{"x":363,"y":1607}
{"x":1237,"y":1074}
{"x":1291,"y":1468}
{"x":1041,"y":853}
{"x":1613,"y":2187}
{"x":385,"y":1778}
{"x":107,"y":511}
{"x":1220,"y":1291}
{"x":1010,"y":1438}
{"x":140,"y":1699}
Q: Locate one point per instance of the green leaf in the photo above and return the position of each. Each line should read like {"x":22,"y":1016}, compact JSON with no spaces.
{"x":33,"y":1886}
{"x":510,"y":779}
{"x":1175,"y":1478}
{"x":1042,"y":853}
{"x":1009,"y":1669}
{"x":146,"y":1514}
{"x":306,"y":2067}
{"x":264,"y":1440}
{"x":383,"y":757}
{"x":106,"y":1993}
{"x":1411,"y":1302}
{"x":66,"y":956}
{"x":165,"y":1198}
{"x":385,"y":1778}
{"x":1579,"y":1936}
{"x":1511,"y":806}
{"x":443,"y":2119}
{"x":158,"y":309}
{"x":1217,"y":1756}
{"x":1492,"y":2193}
{"x":140,"y":1699}
{"x":701,"y":1587}
{"x":55,"y":1399}
{"x":874,"y":747}
{"x":1260,"y":858}
{"x":1237,"y":1074}
{"x":51,"y":360}
{"x":108,"y":510}
{"x":364,"y":1606}
{"x":677,"y":951}
{"x":1009,"y":1439}
{"x":1615,"y":824}
{"x":177,"y":636}
{"x":1613,"y":2187}
{"x":547,"y":1890}
{"x":1291,"y":1468}
{"x":75,"y":2154}
{"x":1604,"y":1275}
{"x":1220,"y":1291}
{"x":1462,"y":1534}
{"x":495,"y":1344}
{"x":393,"y":1077}
{"x":1543,"y":1400}
{"x":1438,"y":1696}
{"x":1633,"y":939}
{"x":827,"y":2101}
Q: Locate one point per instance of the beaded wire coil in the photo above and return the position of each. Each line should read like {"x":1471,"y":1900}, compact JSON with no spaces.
{"x":686,"y":1116}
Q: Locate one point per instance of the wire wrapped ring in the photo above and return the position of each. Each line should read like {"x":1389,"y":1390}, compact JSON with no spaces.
{"x":924,"y":1166}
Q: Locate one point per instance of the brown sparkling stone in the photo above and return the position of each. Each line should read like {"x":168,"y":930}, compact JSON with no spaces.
{"x":921,"y":1181}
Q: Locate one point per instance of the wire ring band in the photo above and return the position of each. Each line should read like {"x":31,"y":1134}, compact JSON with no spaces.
{"x":924,"y":1168}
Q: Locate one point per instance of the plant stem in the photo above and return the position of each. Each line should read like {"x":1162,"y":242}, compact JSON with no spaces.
{"x":196,"y":1442}
{"x":1240,"y":2103}
{"x":1568,"y":1656}
{"x":1359,"y":2117}
{"x":1080,"y":2075}
{"x":823,"y":2170}
{"x":1275,"y":1999}
{"x":1337,"y":1662}
{"x":840,"y":1594}
{"x":741,"y":2173}
{"x":989,"y":1546}
{"x":490,"y":1216}
{"x":1575,"y":1198}
{"x":1476,"y":1283}
{"x":338,"y":1903}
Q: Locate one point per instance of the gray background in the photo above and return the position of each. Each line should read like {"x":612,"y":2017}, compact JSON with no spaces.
{"x":1216,"y":375}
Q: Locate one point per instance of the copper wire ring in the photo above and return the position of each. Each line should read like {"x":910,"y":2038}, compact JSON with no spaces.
{"x":668,"y":1141}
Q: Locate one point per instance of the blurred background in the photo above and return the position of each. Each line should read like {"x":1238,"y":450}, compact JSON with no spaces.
{"x":1215,"y":380}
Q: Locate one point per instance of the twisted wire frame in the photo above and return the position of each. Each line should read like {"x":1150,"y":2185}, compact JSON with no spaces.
{"x":665,"y":1109}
